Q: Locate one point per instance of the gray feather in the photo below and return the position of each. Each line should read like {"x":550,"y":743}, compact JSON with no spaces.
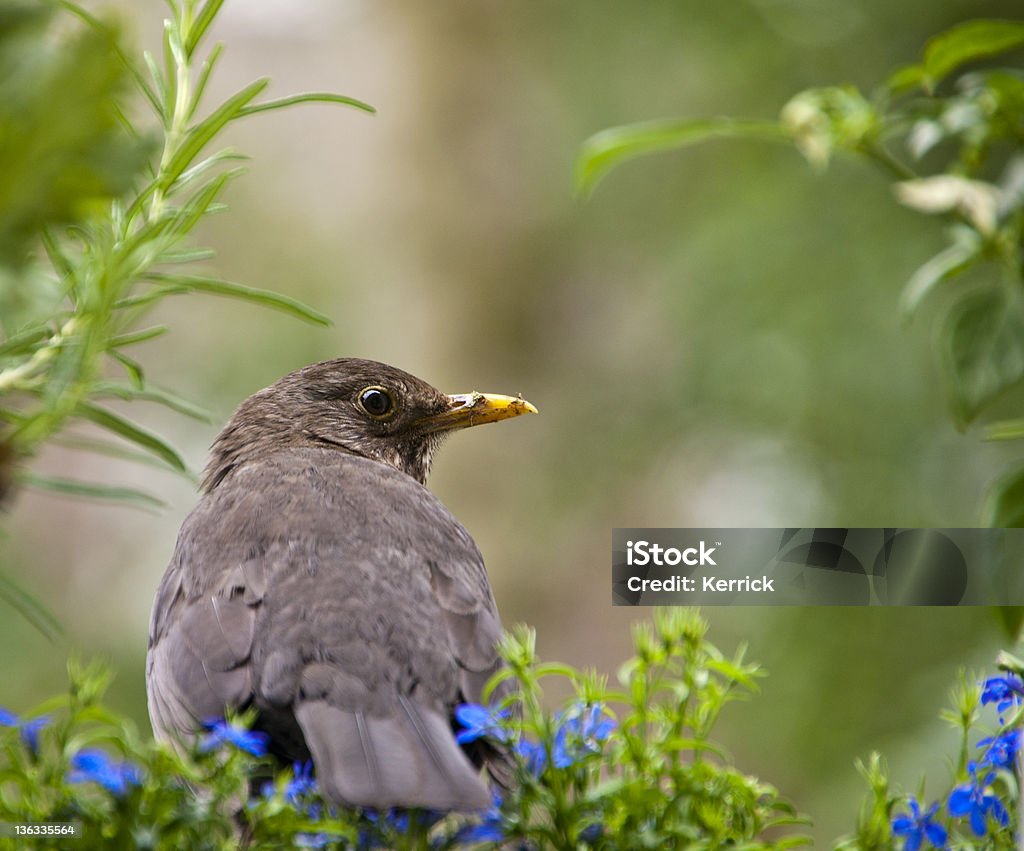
{"x":292,"y":591}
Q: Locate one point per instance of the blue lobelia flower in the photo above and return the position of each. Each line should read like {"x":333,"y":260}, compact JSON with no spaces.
{"x":1004,"y":691}
{"x":302,"y":784}
{"x":91,"y":765}
{"x":223,"y":733}
{"x":534,"y":755}
{"x":396,"y":819}
{"x":919,"y":826}
{"x":974,"y":801}
{"x":479,"y":722}
{"x":490,"y":828}
{"x":28,"y":730}
{"x":580,"y":734}
{"x":1000,"y":751}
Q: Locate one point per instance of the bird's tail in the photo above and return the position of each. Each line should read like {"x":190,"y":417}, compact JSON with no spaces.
{"x":406,"y":759}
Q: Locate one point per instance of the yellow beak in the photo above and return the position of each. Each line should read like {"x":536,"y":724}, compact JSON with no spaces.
{"x":471,"y":409}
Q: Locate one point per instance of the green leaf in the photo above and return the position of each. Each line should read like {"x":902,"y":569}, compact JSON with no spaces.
{"x":733,"y":672}
{"x":985,"y":349}
{"x":605,"y":150}
{"x":58,"y":259}
{"x":186,"y":255}
{"x":201,"y":24}
{"x":215,"y":286}
{"x":92,"y":490}
{"x":202,"y":203}
{"x":30,"y":608}
{"x":1005,"y":430}
{"x":904,"y":79}
{"x":967,"y":42}
{"x":202,"y":167}
{"x":202,"y":133}
{"x":161,"y":102}
{"x":204,"y":77}
{"x":150,"y":393}
{"x":1004,"y":505}
{"x":1010,"y":618}
{"x":114,"y":450}
{"x":132,"y":367}
{"x":309,"y":97}
{"x":134,"y":337}
{"x":130,"y":66}
{"x":556,"y":669}
{"x":131,"y":432}
{"x":19,"y":344}
{"x":948,"y":263}
{"x":147,"y":299}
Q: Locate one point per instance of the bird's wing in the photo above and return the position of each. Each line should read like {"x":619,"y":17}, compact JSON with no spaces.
{"x":339,"y":593}
{"x":199,"y":661}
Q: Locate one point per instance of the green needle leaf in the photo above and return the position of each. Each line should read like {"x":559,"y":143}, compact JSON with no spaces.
{"x":30,"y":608}
{"x":201,"y":25}
{"x":215,"y":286}
{"x":138,"y":336}
{"x":131,"y":432}
{"x":202,"y":133}
{"x":311,"y":97}
{"x":92,"y":490}
{"x":151,"y":393}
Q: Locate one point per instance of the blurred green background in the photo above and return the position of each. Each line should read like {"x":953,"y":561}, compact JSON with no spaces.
{"x":712,"y":339}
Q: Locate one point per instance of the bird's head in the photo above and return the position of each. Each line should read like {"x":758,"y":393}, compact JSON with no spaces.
{"x":357,"y":406}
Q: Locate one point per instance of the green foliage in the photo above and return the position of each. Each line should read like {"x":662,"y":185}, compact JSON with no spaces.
{"x":64,"y":152}
{"x":950,"y":139}
{"x":165,"y":798}
{"x":653,"y":780}
{"x":120,"y":259}
{"x":984,"y":772}
{"x":112,"y":227}
{"x":659,"y":781}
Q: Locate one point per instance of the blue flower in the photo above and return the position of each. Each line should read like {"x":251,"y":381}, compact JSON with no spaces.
{"x":91,"y":765}
{"x":1001,"y":751}
{"x":302,"y":784}
{"x":28,"y":730}
{"x":534,"y":755}
{"x":394,"y":820}
{"x":223,"y":733}
{"x":479,"y":722}
{"x":581,"y":734}
{"x":919,"y":826}
{"x":973,"y":800}
{"x":490,"y":828}
{"x":1006,"y":692}
{"x":595,"y":726}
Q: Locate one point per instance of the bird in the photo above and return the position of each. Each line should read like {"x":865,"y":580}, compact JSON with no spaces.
{"x":319,"y":583}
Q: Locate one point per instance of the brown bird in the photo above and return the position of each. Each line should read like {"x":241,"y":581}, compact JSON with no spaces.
{"x":319,"y":582}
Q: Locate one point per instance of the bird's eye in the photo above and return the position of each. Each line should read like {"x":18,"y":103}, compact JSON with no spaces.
{"x":377,"y":402}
